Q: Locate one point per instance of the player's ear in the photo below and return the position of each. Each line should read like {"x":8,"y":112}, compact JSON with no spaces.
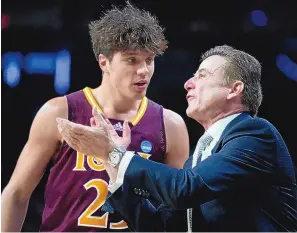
{"x":103,"y":61}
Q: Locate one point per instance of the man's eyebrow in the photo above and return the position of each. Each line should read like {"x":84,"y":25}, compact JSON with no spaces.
{"x":203,"y":70}
{"x":209,"y":71}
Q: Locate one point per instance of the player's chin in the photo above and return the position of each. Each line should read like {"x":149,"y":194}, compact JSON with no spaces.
{"x":139,"y":94}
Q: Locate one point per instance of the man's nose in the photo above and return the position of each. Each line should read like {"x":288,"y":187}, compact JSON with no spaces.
{"x":189,"y":84}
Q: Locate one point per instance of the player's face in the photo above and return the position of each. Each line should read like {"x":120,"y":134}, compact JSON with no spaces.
{"x":130,"y":72}
{"x":207,"y":93}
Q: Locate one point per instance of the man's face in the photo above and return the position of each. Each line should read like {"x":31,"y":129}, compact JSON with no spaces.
{"x":129,"y":72}
{"x":207,"y":94}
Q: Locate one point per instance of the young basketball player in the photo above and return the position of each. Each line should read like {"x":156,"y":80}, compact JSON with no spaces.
{"x":125,"y":42}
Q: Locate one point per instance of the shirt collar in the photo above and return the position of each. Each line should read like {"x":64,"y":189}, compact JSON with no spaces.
{"x":216,"y":129}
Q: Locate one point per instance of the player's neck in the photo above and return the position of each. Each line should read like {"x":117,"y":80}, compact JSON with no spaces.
{"x":112,"y":103}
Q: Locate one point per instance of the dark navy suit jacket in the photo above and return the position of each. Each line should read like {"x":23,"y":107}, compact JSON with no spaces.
{"x":247,"y":184}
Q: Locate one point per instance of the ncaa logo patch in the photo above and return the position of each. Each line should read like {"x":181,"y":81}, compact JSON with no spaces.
{"x":146,"y":146}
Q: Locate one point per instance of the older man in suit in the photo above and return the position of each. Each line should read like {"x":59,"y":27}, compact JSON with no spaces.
{"x":240,"y":177}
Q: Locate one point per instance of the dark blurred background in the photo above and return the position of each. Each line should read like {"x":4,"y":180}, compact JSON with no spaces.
{"x":46,"y":52}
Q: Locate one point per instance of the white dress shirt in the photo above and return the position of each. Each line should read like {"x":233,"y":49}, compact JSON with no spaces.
{"x":215,"y":130}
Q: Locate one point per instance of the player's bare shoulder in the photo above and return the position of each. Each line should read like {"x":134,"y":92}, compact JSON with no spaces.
{"x":174,"y":125}
{"x":56,"y":106}
{"x":177,"y":139}
{"x":172,"y":118}
{"x":45,"y":120}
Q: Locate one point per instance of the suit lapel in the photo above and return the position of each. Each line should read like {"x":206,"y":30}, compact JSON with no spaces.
{"x":234,"y":122}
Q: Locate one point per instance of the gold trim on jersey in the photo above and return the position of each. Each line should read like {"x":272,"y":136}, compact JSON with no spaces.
{"x":89,"y":96}
{"x":141,"y":111}
{"x":143,"y":105}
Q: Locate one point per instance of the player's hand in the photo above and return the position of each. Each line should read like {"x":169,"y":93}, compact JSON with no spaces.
{"x":97,"y":140}
{"x":100,"y":121}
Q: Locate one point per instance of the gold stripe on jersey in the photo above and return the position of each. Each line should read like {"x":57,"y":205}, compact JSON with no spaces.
{"x":143,"y":105}
{"x":89,"y":96}
{"x":141,"y":111}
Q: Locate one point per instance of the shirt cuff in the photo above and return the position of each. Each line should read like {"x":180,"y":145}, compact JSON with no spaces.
{"x":121,"y":171}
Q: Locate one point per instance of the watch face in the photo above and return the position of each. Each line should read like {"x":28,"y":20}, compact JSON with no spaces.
{"x":116,"y":155}
{"x":114,"y":158}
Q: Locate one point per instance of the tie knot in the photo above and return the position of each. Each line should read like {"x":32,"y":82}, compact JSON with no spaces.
{"x":205,"y":140}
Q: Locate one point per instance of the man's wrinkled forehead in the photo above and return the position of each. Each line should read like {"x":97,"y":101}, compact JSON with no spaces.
{"x":212,"y":63}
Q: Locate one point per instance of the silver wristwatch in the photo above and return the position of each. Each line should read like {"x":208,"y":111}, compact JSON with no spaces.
{"x":116,"y":156}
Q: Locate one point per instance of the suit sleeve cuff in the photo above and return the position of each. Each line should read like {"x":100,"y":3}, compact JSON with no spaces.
{"x":121,"y":171}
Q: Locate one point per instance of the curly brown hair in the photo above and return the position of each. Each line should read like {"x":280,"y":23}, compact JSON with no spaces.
{"x":125,"y":29}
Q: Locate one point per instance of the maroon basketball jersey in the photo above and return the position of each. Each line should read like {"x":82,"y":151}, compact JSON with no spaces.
{"x":78,"y":184}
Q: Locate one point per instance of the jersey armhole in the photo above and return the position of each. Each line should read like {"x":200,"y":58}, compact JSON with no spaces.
{"x":163,"y":134}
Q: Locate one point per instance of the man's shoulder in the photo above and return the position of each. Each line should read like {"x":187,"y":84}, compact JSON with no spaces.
{"x":245,"y":123}
{"x":259,"y":122}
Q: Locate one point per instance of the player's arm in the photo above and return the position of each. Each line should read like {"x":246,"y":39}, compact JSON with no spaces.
{"x":43,"y":142}
{"x":177,"y":139}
